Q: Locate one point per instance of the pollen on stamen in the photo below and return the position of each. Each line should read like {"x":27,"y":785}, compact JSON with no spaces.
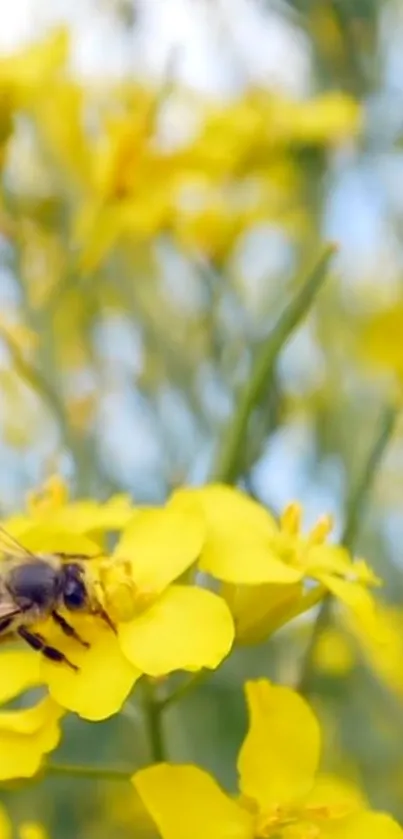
{"x":122,"y":599}
{"x":290,"y":519}
{"x":321,"y":530}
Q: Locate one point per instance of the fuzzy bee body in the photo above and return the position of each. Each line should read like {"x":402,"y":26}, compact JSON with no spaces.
{"x":34,"y":587}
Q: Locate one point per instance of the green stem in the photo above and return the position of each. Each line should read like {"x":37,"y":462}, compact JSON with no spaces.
{"x":97,"y":773}
{"x":228,"y":462}
{"x":186,"y":687}
{"x":355,"y":507}
{"x":359,"y":495}
{"x":152,"y":713}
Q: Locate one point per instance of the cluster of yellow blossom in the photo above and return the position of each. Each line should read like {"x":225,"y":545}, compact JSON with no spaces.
{"x":155,"y":587}
{"x":233,"y":168}
{"x":282,"y":795}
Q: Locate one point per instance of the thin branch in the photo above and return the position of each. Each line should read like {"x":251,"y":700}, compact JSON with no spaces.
{"x":229,"y":458}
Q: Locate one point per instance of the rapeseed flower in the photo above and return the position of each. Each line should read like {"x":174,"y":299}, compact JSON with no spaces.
{"x":51,"y":506}
{"x":270,"y":570}
{"x":91,"y":692}
{"x":281,"y":794}
{"x":161,"y":625}
{"x":29,"y":733}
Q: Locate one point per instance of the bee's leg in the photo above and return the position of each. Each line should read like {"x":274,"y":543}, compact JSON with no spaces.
{"x":64,"y":555}
{"x":69,"y":630}
{"x":5,"y":624}
{"x":37,"y":642}
{"x":105,"y":617}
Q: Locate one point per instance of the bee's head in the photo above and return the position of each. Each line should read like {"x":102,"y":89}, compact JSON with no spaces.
{"x":75,"y":594}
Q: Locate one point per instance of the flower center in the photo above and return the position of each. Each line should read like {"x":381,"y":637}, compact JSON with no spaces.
{"x":123,"y":600}
{"x":299,"y":823}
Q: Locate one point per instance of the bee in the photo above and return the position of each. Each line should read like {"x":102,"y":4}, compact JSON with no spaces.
{"x":36,"y":586}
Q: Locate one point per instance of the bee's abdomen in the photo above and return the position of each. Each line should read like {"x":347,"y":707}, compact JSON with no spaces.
{"x":34,"y":583}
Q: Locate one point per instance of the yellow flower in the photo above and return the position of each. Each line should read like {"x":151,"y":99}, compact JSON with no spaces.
{"x":91,"y":692}
{"x":280,"y":793}
{"x":161,"y":627}
{"x":26,"y":735}
{"x":165,"y":625}
{"x":51,"y":506}
{"x":247,"y":548}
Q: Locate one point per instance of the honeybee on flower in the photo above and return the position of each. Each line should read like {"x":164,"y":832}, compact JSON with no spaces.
{"x":35,"y":586}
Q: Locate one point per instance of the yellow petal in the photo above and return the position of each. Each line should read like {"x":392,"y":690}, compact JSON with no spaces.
{"x":238,"y":545}
{"x":381,"y":641}
{"x":19,"y":671}
{"x":26,"y":736}
{"x":366,"y":825}
{"x":340,"y":796}
{"x":48,"y":498}
{"x":160,"y":545}
{"x":331,"y":559}
{"x":49,"y":538}
{"x":105,"y":678}
{"x":279,"y":756}
{"x":353,"y":595}
{"x":185,"y":801}
{"x":187,"y":628}
{"x":260,"y":610}
{"x":88,"y":516}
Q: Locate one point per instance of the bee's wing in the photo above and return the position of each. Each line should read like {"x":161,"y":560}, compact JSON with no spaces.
{"x":8,"y":609}
{"x":11,"y":548}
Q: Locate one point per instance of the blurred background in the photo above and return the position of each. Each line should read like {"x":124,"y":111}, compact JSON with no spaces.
{"x":168,"y":170}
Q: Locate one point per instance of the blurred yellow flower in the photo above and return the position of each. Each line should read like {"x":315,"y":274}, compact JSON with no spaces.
{"x":325,"y":120}
{"x":24,"y":74}
{"x":5,"y":825}
{"x":246,"y":546}
{"x":380,"y":340}
{"x":281,"y":794}
{"x":333,"y":653}
{"x":130,"y":191}
{"x":26,"y":735}
{"x":31,"y":830}
{"x":50,"y":505}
